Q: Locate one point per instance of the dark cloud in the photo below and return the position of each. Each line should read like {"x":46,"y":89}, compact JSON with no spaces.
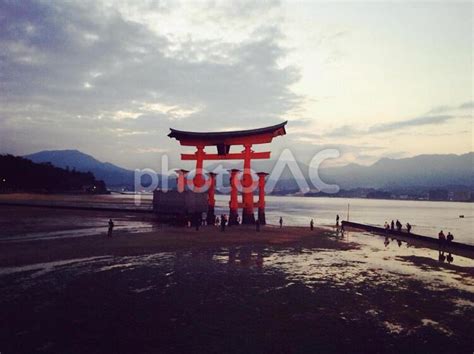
{"x":67,"y":68}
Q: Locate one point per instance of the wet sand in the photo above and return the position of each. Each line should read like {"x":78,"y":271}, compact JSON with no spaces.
{"x":67,"y":288}
{"x":17,"y":251}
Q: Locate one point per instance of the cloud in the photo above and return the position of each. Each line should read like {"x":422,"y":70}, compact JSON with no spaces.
{"x":86,"y":74}
{"x":443,"y":109}
{"x":415,"y":122}
{"x":351,"y":131}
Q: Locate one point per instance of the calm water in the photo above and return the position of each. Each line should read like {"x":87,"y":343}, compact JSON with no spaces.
{"x":427,"y":218}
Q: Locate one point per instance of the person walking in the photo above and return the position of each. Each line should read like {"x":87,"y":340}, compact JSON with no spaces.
{"x":311,"y":224}
{"x":281,"y":222}
{"x":408,"y":227}
{"x":223,"y":222}
{"x":337,"y":220}
{"x":111,"y":228}
{"x":392,"y":225}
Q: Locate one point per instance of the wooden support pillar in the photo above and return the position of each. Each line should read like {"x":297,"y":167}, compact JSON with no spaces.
{"x":261,"y":197}
{"x":181,"y":180}
{"x":247,"y":190}
{"x":199,"y":179}
{"x":233,"y":203}
{"x":211,"y":201}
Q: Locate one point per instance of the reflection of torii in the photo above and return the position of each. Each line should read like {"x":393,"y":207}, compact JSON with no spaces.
{"x":223,"y":142}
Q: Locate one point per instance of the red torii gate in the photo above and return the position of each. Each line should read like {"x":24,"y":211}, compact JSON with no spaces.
{"x":223,"y":141}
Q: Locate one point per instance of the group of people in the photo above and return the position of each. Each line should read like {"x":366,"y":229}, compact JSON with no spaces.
{"x":445,"y":238}
{"x":223,"y":221}
{"x":398,"y":225}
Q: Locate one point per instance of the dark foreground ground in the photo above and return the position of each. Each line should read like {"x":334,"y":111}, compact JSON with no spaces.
{"x":181,"y":291}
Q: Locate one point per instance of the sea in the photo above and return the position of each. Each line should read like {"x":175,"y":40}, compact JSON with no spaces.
{"x":427,"y":218}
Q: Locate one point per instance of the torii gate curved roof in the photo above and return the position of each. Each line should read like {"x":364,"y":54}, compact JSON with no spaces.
{"x":236,"y":137}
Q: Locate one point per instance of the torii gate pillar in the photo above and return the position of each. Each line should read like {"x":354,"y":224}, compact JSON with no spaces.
{"x":247,"y":191}
{"x":233,"y":203}
{"x":211,"y":216}
{"x":261,"y":197}
{"x":181,"y":180}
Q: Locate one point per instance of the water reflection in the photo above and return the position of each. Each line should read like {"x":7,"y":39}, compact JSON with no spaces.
{"x":442,"y":256}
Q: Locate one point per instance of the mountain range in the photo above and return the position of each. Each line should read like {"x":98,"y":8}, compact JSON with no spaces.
{"x":112,"y":175}
{"x":422,"y":170}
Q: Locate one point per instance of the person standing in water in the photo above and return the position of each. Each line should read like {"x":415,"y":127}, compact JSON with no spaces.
{"x":111,"y":228}
{"x":311,"y":225}
{"x":337,"y":220}
{"x":281,"y":222}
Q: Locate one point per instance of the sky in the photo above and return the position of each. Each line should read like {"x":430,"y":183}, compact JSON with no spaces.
{"x":109,"y":78}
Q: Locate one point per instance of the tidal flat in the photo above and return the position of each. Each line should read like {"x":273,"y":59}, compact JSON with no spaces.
{"x":158,"y":289}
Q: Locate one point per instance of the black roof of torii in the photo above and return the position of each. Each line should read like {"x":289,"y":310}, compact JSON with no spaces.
{"x":185,"y":135}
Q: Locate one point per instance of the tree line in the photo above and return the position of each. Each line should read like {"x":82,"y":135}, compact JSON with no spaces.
{"x":20,"y":174}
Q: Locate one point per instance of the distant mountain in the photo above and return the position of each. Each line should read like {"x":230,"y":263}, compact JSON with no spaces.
{"x":111,"y":174}
{"x":391,"y":174}
{"x":422,"y":170}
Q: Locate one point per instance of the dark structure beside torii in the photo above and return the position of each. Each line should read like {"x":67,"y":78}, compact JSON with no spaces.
{"x":223,"y":142}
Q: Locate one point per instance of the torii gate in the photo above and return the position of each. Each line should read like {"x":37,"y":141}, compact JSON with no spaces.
{"x":223,"y":141}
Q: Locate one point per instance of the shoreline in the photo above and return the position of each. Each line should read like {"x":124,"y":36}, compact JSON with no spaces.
{"x":163,"y":239}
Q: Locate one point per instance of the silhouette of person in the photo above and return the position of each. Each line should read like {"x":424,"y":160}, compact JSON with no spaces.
{"x":337,"y":220}
{"x":449,"y":237}
{"x":441,"y":238}
{"x":111,"y":228}
{"x":399,"y":225}
{"x":392,"y":225}
{"x":408,"y":227}
{"x":281,"y":222}
{"x":441,"y":257}
{"x":223,"y":222}
{"x":238,"y":220}
{"x":311,"y":224}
